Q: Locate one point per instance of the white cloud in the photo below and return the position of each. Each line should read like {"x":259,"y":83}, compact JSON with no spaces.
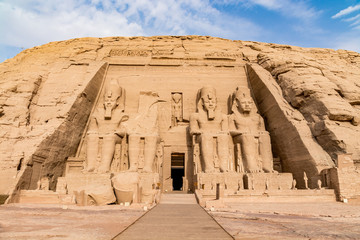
{"x":355,"y":20}
{"x":29,"y":25}
{"x":352,"y":18}
{"x":299,"y":9}
{"x":26,"y":23}
{"x":347,"y":11}
{"x":270,"y":4}
{"x":355,"y":24}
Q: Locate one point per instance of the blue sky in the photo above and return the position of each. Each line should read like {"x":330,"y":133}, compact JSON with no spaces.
{"x":306,"y":23}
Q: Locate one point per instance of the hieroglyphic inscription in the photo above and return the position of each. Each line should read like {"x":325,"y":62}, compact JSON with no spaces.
{"x":128,"y":53}
{"x":223,"y":55}
{"x":162,"y":52}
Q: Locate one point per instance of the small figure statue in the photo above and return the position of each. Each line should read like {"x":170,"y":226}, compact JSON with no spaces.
{"x":213,"y":184}
{"x":159,"y":156}
{"x":196,"y":159}
{"x":267,"y":184}
{"x":210,"y":128}
{"x":200,"y":181}
{"x":306,"y":181}
{"x":293,"y":185}
{"x":43,"y":183}
{"x":252,"y":180}
{"x":176,"y":109}
{"x":61,"y":185}
{"x":248,"y":130}
{"x":240,"y":184}
{"x":319,"y":183}
{"x":106,"y":124}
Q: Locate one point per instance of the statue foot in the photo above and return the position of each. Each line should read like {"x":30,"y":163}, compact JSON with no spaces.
{"x":147,"y":170}
{"x":133,"y":169}
{"x":212,"y":170}
{"x":102,"y":170}
{"x":91,"y":169}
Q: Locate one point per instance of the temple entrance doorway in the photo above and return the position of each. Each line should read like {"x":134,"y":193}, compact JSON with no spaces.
{"x":177,"y":170}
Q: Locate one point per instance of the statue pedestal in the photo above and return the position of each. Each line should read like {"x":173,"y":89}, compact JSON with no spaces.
{"x":91,"y":188}
{"x":231,"y":181}
{"x":268,"y":181}
{"x":235,"y":184}
{"x":134,"y":187}
{"x":39,"y":196}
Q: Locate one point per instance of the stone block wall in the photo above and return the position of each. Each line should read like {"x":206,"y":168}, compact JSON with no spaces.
{"x":346,"y":183}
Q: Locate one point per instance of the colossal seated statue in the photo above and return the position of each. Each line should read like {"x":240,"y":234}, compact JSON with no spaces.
{"x":144,"y":133}
{"x":248,"y":131}
{"x":106,"y":125}
{"x":209,"y":127}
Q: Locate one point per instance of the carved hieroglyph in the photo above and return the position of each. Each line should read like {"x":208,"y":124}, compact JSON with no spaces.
{"x":252,"y":141}
{"x":209,"y":127}
{"x":106,"y":124}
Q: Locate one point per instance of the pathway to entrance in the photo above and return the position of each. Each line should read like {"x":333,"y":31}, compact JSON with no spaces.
{"x":178,"y":216}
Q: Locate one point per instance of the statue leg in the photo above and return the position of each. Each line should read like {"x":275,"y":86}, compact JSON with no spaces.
{"x":92,"y":143}
{"x":207,"y":152}
{"x":223,"y":152}
{"x":107,"y":152}
{"x":265,"y":152}
{"x":150,"y":152}
{"x":134,"y":150}
{"x":250,"y":152}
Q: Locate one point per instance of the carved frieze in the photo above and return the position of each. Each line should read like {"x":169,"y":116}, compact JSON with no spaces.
{"x":129,"y":53}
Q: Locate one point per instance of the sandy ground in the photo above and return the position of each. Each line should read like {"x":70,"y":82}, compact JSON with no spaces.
{"x":290,"y":220}
{"x":241,"y":220}
{"x":20,"y":221}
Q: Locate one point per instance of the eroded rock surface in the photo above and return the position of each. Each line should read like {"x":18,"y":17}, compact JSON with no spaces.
{"x":47,"y":93}
{"x":324,"y":86}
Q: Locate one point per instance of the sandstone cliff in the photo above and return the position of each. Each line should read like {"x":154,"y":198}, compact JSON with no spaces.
{"x":310,"y":99}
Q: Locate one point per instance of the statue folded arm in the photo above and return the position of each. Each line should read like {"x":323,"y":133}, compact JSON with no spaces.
{"x":224,"y":124}
{"x":232,"y":127}
{"x":194,"y":124}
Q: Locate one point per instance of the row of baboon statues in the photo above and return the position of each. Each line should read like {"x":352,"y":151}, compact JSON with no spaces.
{"x":211,"y":131}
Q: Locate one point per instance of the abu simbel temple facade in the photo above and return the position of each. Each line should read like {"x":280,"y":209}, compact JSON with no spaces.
{"x":98,"y":121}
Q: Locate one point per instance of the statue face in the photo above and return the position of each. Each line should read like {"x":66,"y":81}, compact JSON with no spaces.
{"x":245,"y":105}
{"x":109,"y":104}
{"x":109,"y":101}
{"x":209,"y":102}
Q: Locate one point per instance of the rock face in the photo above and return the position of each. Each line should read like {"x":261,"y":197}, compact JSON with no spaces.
{"x":309,"y":98}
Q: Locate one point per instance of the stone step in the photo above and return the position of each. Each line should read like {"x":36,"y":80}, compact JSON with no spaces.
{"x":178,"y":198}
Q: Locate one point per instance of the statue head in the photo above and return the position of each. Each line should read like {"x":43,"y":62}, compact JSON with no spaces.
{"x":112,"y":95}
{"x":208,"y":100}
{"x":242,"y":100}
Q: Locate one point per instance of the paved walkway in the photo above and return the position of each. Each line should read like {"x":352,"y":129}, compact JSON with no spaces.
{"x":178,"y":216}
